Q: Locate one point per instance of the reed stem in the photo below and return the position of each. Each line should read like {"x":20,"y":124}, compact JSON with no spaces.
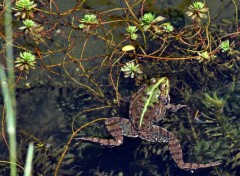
{"x":8,"y":89}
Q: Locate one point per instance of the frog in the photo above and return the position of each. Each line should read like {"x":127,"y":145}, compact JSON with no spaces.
{"x":147,"y":107}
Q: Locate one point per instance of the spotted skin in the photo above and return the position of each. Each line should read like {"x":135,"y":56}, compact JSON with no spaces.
{"x":119,"y":127}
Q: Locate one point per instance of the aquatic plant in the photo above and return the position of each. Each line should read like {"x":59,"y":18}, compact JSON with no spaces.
{"x":25,"y":5}
{"x":213,"y":101}
{"x":204,"y":150}
{"x":225,"y":46}
{"x":205,"y":56}
{"x":7,"y":83}
{"x":25,"y":61}
{"x":197,"y":11}
{"x":130,"y":69}
{"x":93,"y":62}
{"x":28,"y":24}
{"x":134,"y":36}
{"x":33,"y":29}
{"x":148,"y":19}
{"x":89,"y":18}
{"x":163,"y":30}
{"x":24,"y":8}
{"x":8,"y":92}
{"x":87,"y":21}
{"x":132,"y":30}
{"x":167,"y":27}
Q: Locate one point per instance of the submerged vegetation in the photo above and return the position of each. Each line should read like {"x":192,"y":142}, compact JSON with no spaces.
{"x":131,"y":69}
{"x":95,"y":55}
{"x":197,"y":11}
{"x":25,"y":61}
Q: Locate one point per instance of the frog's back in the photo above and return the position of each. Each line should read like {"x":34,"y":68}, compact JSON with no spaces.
{"x":153,"y":113}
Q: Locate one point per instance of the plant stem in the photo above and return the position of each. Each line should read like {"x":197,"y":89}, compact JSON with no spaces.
{"x":11,"y":121}
{"x":28,"y":166}
{"x":9,"y":91}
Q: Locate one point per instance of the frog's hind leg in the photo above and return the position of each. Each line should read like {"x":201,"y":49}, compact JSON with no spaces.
{"x":159,"y":134}
{"x":114,"y":128}
{"x":176,"y":152}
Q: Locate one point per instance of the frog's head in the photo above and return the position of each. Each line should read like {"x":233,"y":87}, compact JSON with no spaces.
{"x":161,"y":84}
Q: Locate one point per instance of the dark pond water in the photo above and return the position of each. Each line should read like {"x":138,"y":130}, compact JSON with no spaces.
{"x":72,"y":86}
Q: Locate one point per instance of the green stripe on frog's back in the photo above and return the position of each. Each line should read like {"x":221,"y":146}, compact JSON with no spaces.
{"x":153,"y":93}
{"x":157,"y":106}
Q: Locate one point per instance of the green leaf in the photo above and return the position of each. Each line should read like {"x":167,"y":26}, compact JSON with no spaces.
{"x":128,"y":48}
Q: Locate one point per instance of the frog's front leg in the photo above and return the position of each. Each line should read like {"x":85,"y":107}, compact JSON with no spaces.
{"x":117,"y":127}
{"x":175,"y":108}
{"x":176,"y":150}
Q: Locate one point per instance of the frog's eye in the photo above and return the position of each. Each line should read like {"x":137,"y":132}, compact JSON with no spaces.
{"x":153,"y":81}
{"x":163,"y":86}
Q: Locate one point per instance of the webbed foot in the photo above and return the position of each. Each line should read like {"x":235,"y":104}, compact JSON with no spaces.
{"x":176,"y":152}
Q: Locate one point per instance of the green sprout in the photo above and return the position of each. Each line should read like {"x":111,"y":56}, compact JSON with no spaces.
{"x":33,"y":29}
{"x":90,"y":19}
{"x":28,"y":24}
{"x":25,"y":61}
{"x":24,"y":8}
{"x":205,"y":56}
{"x":148,"y":19}
{"x":87,"y":21}
{"x":197,"y":11}
{"x":132,"y":30}
{"x":167,"y":27}
{"x":162,"y":29}
{"x":225,"y":46}
{"x":134,"y":36}
{"x":81,"y":26}
{"x":130,"y":69}
{"x":25,"y":5}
